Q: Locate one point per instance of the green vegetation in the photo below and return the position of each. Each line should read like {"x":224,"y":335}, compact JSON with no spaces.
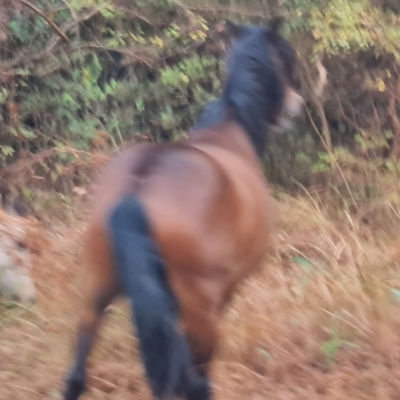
{"x":87,"y":75}
{"x":79,"y":78}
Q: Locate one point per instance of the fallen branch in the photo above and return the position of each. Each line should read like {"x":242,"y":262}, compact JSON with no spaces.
{"x":7,"y":67}
{"x":51,"y":23}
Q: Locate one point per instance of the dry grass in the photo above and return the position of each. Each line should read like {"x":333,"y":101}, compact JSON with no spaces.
{"x":320,"y":321}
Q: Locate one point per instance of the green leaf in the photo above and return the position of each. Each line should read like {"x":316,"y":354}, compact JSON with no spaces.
{"x":27,"y":193}
{"x":28,"y":133}
{"x":107,"y":11}
{"x":266,"y":355}
{"x":13,"y":131}
{"x":139,"y":104}
{"x":330,"y":349}
{"x":3,"y":95}
{"x":7,"y":150}
{"x":67,"y":99}
{"x":53,"y":176}
{"x":395,"y":295}
{"x":303,"y":262}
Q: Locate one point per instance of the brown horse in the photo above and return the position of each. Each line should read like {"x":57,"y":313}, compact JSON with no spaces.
{"x":176,"y":227}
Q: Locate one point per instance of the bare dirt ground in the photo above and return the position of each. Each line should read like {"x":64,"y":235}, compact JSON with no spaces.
{"x":321,"y":321}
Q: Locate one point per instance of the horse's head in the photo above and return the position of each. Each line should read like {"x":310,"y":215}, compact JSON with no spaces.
{"x":268,"y":58}
{"x":16,"y":282}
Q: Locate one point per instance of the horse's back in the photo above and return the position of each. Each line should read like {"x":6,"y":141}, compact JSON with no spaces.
{"x":248,"y":211}
{"x":207,"y":207}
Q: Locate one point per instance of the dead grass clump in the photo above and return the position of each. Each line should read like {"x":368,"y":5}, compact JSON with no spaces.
{"x":320,"y":321}
{"x":325,"y":302}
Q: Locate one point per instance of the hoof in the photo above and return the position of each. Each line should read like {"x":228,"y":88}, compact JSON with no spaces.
{"x":74,"y":389}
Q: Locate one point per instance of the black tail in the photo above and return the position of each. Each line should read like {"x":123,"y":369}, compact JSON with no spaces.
{"x":164,"y":349}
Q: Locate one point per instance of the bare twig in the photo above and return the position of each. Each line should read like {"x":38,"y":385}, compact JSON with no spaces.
{"x":323,"y":79}
{"x":73,"y":15}
{"x":392,"y":112}
{"x":140,"y":55}
{"x":318,"y":104}
{"x":136,"y":14}
{"x":218,"y":9}
{"x":6,"y":67}
{"x":51,"y":23}
{"x":349,"y":121}
{"x":333,"y":160}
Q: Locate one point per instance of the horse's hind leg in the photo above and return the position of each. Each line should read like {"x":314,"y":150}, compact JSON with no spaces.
{"x":93,"y":310}
{"x":202,"y":334}
{"x":199,"y":317}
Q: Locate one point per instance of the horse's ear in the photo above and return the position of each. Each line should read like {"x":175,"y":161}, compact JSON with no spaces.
{"x":275,"y":24}
{"x":233,"y":29}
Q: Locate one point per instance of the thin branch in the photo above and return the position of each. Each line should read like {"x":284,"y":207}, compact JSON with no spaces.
{"x":333,"y":159}
{"x":73,"y":14}
{"x":323,"y":81}
{"x":217,"y":9}
{"x":318,"y":104}
{"x":55,"y":28}
{"x":392,"y":111}
{"x":22,"y":56}
{"x":137,"y":55}
{"x":133,"y":13}
{"x":351,"y":122}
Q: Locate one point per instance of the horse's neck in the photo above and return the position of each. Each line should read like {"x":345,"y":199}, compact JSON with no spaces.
{"x":228,"y":135}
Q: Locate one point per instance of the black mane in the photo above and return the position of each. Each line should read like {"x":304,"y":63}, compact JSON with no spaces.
{"x":254,"y":92}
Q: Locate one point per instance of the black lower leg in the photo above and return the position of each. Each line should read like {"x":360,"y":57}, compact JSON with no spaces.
{"x":202,"y":351}
{"x":200,"y":388}
{"x":75,"y":384}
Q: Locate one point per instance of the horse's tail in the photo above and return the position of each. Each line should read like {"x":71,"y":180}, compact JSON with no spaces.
{"x":164,"y":349}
